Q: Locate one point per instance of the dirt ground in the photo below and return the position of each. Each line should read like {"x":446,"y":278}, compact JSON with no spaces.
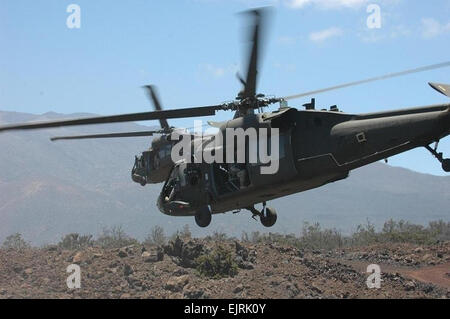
{"x":265,"y":271}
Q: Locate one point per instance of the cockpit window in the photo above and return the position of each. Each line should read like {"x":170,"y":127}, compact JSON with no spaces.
{"x":171,"y":187}
{"x":165,"y":151}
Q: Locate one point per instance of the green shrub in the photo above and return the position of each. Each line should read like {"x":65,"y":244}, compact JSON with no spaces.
{"x":219,"y":263}
{"x":76,"y":241}
{"x":256,"y":237}
{"x":314,"y":237}
{"x":439,"y":230}
{"x":405,"y":232}
{"x":184,"y":234}
{"x":15,"y":242}
{"x":115,"y":238}
{"x":245,"y":237}
{"x":156,"y":237}
{"x":217,"y":236}
{"x":365,"y":235}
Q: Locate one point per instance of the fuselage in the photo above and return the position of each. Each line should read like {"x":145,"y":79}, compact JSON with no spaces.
{"x":316,"y":148}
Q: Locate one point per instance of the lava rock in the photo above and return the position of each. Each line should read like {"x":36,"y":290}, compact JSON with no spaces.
{"x":176,"y":284}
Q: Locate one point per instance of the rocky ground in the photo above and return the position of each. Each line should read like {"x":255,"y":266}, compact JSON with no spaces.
{"x":263,"y":271}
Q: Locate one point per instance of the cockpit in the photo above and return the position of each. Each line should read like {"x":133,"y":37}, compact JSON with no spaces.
{"x":141,"y":168}
{"x":183,"y":191}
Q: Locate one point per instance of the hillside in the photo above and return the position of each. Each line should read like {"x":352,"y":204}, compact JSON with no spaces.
{"x":246,"y":270}
{"x":50,"y":189}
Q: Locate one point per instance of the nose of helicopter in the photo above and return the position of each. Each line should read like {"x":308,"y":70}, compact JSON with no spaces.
{"x":161,"y":206}
{"x":448,"y":120}
{"x":174,"y":208}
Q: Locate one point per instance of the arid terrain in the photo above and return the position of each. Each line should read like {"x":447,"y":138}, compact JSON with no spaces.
{"x":201,"y":268}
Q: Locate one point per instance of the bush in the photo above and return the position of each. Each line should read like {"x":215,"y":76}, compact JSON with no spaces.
{"x":156,"y":237}
{"x":365,"y":235}
{"x":440,"y":230}
{"x":184,"y":234}
{"x":15,"y":242}
{"x":256,"y":237}
{"x":115,"y":238}
{"x":217,"y":237}
{"x":313,"y":237}
{"x":219,"y":263}
{"x":76,"y":241}
{"x":405,"y":232}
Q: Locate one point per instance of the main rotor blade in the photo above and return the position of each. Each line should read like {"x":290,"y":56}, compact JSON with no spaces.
{"x":168,"y":114}
{"x":151,"y":89}
{"x":256,"y":37}
{"x":111,"y":135}
{"x":378,"y":78}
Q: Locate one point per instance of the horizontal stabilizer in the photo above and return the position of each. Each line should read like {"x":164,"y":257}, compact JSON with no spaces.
{"x":215,"y":124}
{"x":441,"y":88}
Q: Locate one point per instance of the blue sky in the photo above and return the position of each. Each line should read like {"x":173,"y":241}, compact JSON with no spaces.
{"x":191,"y":49}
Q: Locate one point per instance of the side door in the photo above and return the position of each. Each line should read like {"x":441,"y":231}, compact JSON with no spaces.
{"x":281,"y":168}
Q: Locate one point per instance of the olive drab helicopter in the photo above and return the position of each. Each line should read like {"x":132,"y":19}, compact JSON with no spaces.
{"x":316,"y":146}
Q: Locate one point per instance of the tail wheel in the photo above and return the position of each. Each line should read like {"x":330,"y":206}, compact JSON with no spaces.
{"x":446,"y":165}
{"x":269,"y":217}
{"x":203,"y":217}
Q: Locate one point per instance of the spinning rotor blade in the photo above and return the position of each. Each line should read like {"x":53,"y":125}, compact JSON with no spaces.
{"x":378,"y":78}
{"x":154,"y":97}
{"x":111,"y":135}
{"x":158,"y":115}
{"x":255,"y":38}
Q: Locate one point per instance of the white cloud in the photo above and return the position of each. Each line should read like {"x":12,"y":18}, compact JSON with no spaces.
{"x":215,"y":71}
{"x":286,"y":67}
{"x":326,"y":4}
{"x":321,"y":36}
{"x":371,"y":37}
{"x":432,"y":28}
{"x":287,"y":40}
{"x":400,"y":31}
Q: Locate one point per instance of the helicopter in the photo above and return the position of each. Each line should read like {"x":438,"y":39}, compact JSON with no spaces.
{"x":315,"y":146}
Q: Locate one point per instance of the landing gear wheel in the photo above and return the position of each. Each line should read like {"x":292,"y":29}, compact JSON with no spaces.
{"x":203,"y":217}
{"x":446,"y":165}
{"x":269,"y":218}
{"x":440,"y":157}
